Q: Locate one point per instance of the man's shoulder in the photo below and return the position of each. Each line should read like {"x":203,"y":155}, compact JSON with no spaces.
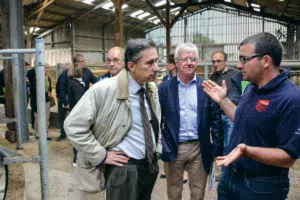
{"x":233,"y":71}
{"x":167,"y":83}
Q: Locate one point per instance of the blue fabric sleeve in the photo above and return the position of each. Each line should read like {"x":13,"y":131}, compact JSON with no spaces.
{"x":236,"y":91}
{"x":216,"y":129}
{"x":63,"y":85}
{"x":288,"y":132}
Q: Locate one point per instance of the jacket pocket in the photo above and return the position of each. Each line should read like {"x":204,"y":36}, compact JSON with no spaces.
{"x":267,"y":185}
{"x":83,"y":163}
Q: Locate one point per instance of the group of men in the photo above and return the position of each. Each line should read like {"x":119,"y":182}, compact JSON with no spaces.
{"x":116,"y":125}
{"x":115,"y":63}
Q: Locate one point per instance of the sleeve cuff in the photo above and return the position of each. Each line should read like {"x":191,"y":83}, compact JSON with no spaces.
{"x":99,"y":165}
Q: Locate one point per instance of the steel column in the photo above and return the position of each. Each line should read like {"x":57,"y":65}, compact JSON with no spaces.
{"x":17,"y":100}
{"x":41,"y":113}
{"x":17,"y":42}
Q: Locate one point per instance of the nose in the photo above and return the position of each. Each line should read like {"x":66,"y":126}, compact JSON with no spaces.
{"x":155,"y":67}
{"x":189,"y":61}
{"x":240,"y":65}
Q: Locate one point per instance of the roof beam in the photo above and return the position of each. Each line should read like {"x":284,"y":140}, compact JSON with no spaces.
{"x":43,"y":7}
{"x":155,"y":10}
{"x":284,"y":6}
{"x":56,"y":13}
{"x":236,"y":6}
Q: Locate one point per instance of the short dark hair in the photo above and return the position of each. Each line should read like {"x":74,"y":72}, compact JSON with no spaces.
{"x":222,"y":52}
{"x":171,"y":58}
{"x":134,"y":49}
{"x":265,"y":44}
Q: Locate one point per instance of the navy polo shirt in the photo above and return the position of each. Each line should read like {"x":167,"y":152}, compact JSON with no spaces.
{"x":268,"y":117}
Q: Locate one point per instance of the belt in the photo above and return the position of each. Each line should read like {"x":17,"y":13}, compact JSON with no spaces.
{"x":241,"y":173}
{"x":141,"y":161}
{"x":189,"y":141}
{"x":137,"y":161}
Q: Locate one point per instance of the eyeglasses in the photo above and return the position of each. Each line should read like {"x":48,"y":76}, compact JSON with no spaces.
{"x":192,"y":59}
{"x":217,"y":61}
{"x":115,"y":60}
{"x":81,"y":60}
{"x":244,"y":59}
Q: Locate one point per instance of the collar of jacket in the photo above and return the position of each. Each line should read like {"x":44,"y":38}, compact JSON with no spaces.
{"x":122,"y":85}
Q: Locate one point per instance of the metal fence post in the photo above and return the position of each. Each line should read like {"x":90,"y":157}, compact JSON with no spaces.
{"x":41,"y":111}
{"x":17,"y":99}
{"x":205,"y":71}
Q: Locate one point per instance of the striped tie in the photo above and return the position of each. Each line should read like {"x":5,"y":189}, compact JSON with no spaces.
{"x":147,"y":127}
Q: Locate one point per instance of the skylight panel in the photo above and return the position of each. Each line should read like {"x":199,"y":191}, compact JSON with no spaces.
{"x":134,"y":14}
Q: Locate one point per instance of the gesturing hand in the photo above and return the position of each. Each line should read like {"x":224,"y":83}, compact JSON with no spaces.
{"x":215,"y":92}
{"x":235,"y":154}
{"x":116,"y":158}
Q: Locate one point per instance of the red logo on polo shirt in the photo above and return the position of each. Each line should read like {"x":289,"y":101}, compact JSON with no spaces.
{"x":262,"y":105}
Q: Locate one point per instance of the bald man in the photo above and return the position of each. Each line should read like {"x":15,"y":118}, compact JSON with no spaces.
{"x":114,"y":61}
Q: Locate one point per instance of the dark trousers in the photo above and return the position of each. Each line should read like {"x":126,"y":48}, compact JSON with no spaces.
{"x":239,"y":186}
{"x":62,"y":116}
{"x":133,"y":181}
{"x":75,"y":155}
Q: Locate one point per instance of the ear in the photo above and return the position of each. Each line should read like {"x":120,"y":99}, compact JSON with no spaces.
{"x":267,"y":61}
{"x":131,"y":66}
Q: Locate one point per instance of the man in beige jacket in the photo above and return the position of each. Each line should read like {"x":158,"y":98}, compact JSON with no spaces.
{"x":115,"y":127}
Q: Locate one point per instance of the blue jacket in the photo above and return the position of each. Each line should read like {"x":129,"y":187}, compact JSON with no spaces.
{"x":208,"y":117}
{"x":236,"y":88}
{"x":104,"y":76}
{"x":87,"y":77}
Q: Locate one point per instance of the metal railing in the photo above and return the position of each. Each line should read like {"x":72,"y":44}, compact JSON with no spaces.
{"x":39,"y":52}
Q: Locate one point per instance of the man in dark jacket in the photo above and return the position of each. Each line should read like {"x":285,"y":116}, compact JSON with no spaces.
{"x":114,"y":61}
{"x":62,"y":111}
{"x":88,"y":77}
{"x":223,"y":72}
{"x":188,"y":115}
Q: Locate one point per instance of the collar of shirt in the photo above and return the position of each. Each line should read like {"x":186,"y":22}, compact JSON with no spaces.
{"x":134,"y":87}
{"x":191,"y":81}
{"x":227,"y":68}
{"x":284,"y":75}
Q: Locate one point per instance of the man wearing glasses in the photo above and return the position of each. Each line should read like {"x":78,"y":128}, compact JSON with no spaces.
{"x":223,"y":72}
{"x":189,"y":115}
{"x":87,"y":77}
{"x":114,"y":61}
{"x":265,"y":140}
{"x":115,"y":126}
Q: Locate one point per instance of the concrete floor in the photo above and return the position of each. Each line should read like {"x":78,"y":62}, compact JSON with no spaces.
{"x":61,"y":173}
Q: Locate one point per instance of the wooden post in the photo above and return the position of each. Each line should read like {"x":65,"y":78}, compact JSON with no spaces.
{"x":168,"y":28}
{"x":9,"y":134}
{"x":118,"y":22}
{"x":290,"y":41}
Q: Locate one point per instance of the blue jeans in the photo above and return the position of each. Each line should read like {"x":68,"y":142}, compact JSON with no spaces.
{"x":227,"y":128}
{"x":233,"y":186}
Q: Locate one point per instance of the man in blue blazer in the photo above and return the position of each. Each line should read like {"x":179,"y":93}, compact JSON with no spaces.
{"x":188,"y":115}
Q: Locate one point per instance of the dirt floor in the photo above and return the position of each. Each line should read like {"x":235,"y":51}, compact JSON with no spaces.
{"x":24,"y":180}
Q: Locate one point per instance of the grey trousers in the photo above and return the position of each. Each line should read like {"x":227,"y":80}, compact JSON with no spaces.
{"x":133,"y":181}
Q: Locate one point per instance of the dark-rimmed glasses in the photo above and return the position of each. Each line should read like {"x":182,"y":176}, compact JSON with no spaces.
{"x":115,"y":60}
{"x":244,"y":59}
{"x":217,"y":61}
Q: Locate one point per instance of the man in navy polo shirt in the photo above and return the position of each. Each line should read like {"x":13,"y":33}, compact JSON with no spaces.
{"x":265,"y":140}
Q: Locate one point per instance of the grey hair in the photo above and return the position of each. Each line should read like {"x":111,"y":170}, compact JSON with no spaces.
{"x":187,"y":47}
